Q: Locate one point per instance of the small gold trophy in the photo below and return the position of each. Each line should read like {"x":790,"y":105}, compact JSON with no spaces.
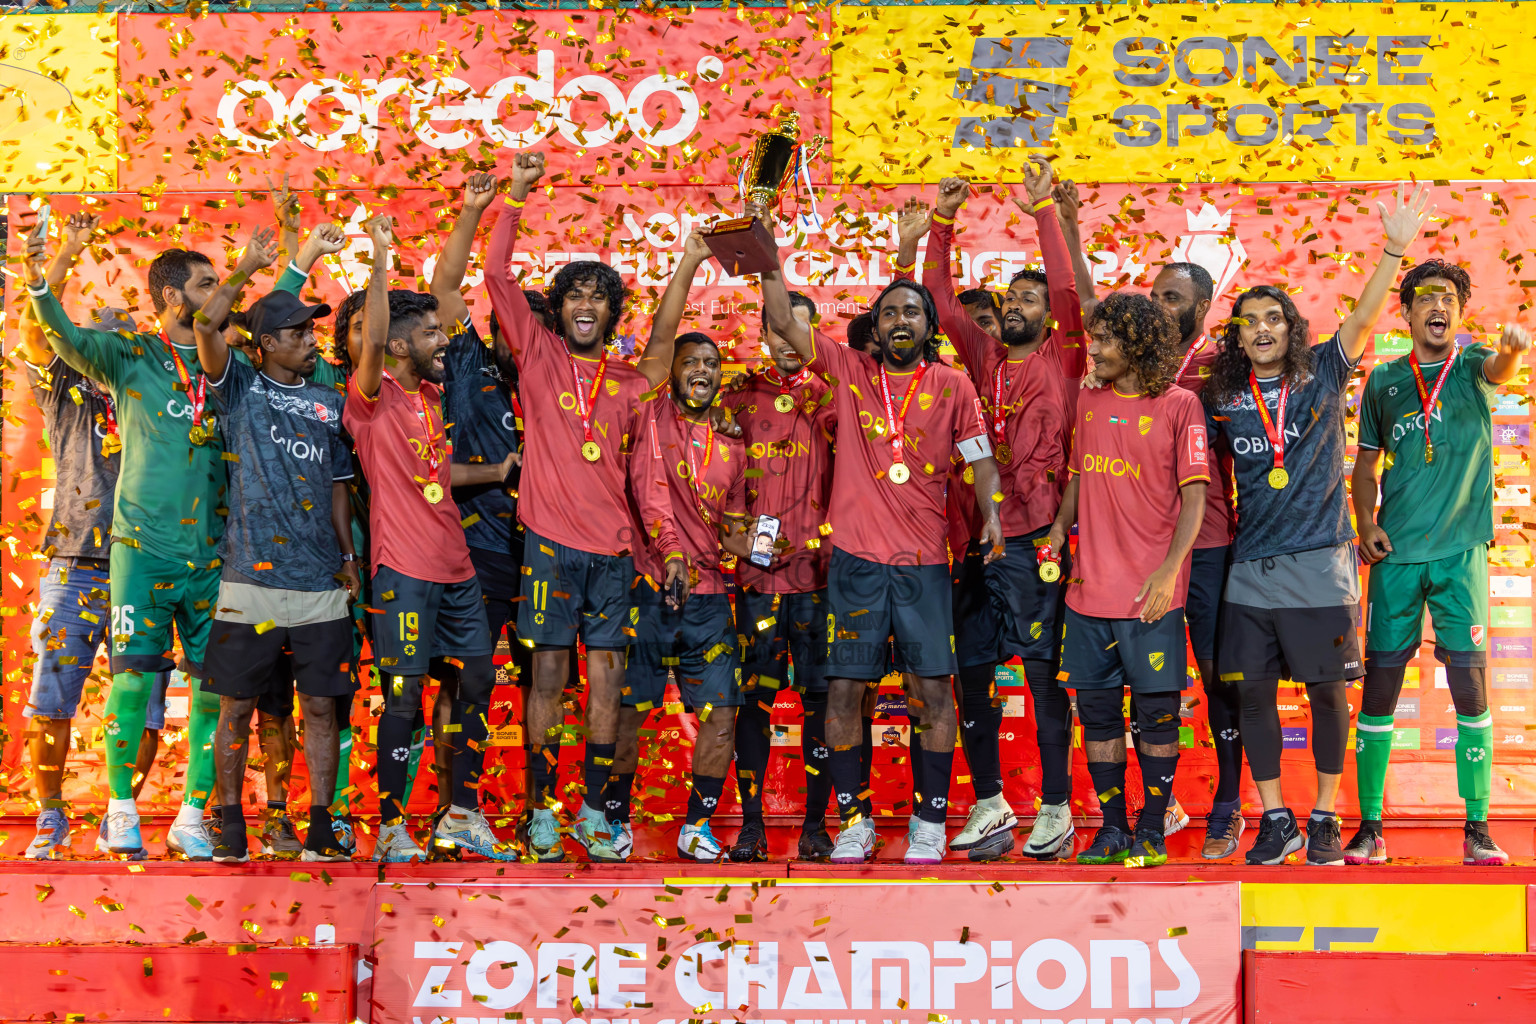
{"x":745,"y":245}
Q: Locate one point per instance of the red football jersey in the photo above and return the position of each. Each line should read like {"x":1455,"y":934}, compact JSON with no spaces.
{"x":1219,"y":525}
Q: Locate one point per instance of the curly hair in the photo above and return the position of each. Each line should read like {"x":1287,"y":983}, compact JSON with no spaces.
{"x":1435,"y":268}
{"x":350,"y":309}
{"x":1147,"y":335}
{"x":1229,"y":373}
{"x":608,"y":282}
{"x":930,"y":311}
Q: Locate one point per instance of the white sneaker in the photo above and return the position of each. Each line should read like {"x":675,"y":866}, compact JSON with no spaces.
{"x":1052,"y":834}
{"x":697,"y":842}
{"x":395,"y":846}
{"x":925,"y":843}
{"x":988,"y":817}
{"x":856,"y":843}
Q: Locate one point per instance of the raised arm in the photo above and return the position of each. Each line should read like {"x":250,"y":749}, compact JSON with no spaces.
{"x":453,"y":263}
{"x":369,"y":375}
{"x":1400,"y":226}
{"x":518,"y":323}
{"x":289,"y":217}
{"x":912,"y":223}
{"x":32,"y":343}
{"x":656,"y":360}
{"x":1067,"y":334}
{"x":325,"y":240}
{"x":1501,"y":367}
{"x":1069,"y":207}
{"x":89,"y":352}
{"x":973,"y":343}
{"x":780,"y":313}
{"x":212,"y":351}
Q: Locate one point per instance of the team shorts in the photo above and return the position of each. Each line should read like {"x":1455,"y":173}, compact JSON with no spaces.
{"x":149,"y":595}
{"x":1028,"y":609}
{"x":779,"y":631}
{"x":265,"y":640}
{"x":568,"y":592}
{"x":1304,"y":645}
{"x":1101,"y":654}
{"x":422,"y":620}
{"x":698,"y":642}
{"x":978,"y":632}
{"x":881,"y":617}
{"x":1454,"y":588}
{"x":1207,"y":580}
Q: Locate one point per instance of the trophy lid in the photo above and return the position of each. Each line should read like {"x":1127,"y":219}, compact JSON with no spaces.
{"x":789,"y":124}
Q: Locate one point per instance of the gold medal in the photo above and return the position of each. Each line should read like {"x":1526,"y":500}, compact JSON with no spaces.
{"x":433,"y":492}
{"x":197,"y":435}
{"x":1278,"y":478}
{"x":1429,"y":451}
{"x":899,"y":473}
{"x":1004,"y":454}
{"x":111,"y":444}
{"x":1050,"y":572}
{"x":969,"y":476}
{"x":784,"y":403}
{"x":591,"y":452}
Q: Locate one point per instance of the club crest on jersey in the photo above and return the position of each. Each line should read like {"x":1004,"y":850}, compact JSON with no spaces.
{"x":924,"y":401}
{"x":1477,"y":636}
{"x":1157,"y":660}
{"x":1144,"y":425}
{"x":322,"y":412}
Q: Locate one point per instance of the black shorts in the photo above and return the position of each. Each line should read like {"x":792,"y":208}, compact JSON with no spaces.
{"x":499,"y":573}
{"x":422,"y":620}
{"x":1100,"y":654}
{"x":1207,"y":582}
{"x":870,"y":605}
{"x":566,"y":592}
{"x":978,"y":633}
{"x":698,"y":642}
{"x":1304,"y":645}
{"x":780,"y":633}
{"x":1028,"y":609}
{"x":242,"y":663}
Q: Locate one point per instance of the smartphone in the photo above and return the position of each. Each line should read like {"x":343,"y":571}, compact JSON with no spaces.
{"x":762,"y":542}
{"x":44,"y":212}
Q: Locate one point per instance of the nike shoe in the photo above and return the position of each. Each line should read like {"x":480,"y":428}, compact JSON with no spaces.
{"x":1368,"y":846}
{"x":120,"y":834}
{"x":52,"y":835}
{"x":233,"y":846}
{"x":987,"y":818}
{"x":542,"y":834}
{"x":467,"y":829}
{"x":395,"y":845}
{"x":320,"y":845}
{"x":1478,"y":847}
{"x":191,"y":841}
{"x":1148,"y":849}
{"x":278,"y":839}
{"x":815,"y":841}
{"x":1278,"y":838}
{"x":698,"y":842}
{"x":751,"y":844}
{"x":623,"y":840}
{"x":1052,"y":834}
{"x":1323,"y":843}
{"x":437,"y":849}
{"x":1175,"y":818}
{"x":594,"y":833}
{"x":1221,"y":836}
{"x":856,"y":843}
{"x":925,"y":843}
{"x":1110,"y":846}
{"x":997,"y":846}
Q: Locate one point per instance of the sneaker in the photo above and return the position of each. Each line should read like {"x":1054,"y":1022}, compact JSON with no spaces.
{"x":1110,"y":846}
{"x":341,"y":828}
{"x":1148,"y":849}
{"x":815,"y":841}
{"x":995,"y":847}
{"x":1174,"y":818}
{"x":395,"y":845}
{"x":52,"y":835}
{"x":925,"y":843}
{"x":1478,"y":847}
{"x":622,"y":839}
{"x":233,"y":846}
{"x":438,"y":849}
{"x":120,"y":834}
{"x":466,"y":829}
{"x":988,"y":817}
{"x":596,"y":835}
{"x":1278,"y":838}
{"x":698,"y":842}
{"x":1368,"y":847}
{"x":1053,"y":832}
{"x":278,"y":839}
{"x":1323,"y":848}
{"x":542,"y":834}
{"x":751,"y":843}
{"x":193,"y":841}
{"x":320,"y":845}
{"x":1221,"y":836}
{"x":856,"y":843}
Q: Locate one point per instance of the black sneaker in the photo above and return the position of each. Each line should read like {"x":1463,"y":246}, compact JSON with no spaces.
{"x":232,"y":847}
{"x":1278,"y":838}
{"x":751,"y":842}
{"x":815,"y":841}
{"x":1368,"y":846}
{"x":1324,"y":844}
{"x":1110,"y":846}
{"x":320,"y":843}
{"x":1149,"y":848}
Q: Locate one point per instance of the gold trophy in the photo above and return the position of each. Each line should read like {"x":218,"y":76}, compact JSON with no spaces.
{"x":745,"y":245}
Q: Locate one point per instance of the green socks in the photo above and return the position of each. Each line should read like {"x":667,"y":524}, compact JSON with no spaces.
{"x":201,"y":770}
{"x":343,"y":802}
{"x":1474,"y":763}
{"x":127,"y":705}
{"x":1373,"y":748}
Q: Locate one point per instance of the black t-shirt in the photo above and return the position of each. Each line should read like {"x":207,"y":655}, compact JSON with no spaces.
{"x":76,"y":412}
{"x":477,"y":405}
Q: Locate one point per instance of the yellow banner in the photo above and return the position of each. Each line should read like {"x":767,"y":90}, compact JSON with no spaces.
{"x":58,"y":103}
{"x":1182,"y":92}
{"x":1385,"y":918}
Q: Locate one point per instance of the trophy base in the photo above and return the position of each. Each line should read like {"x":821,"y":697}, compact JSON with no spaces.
{"x":743,"y":246}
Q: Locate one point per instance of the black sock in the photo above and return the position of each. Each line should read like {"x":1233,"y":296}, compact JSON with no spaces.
{"x":543,"y":762}
{"x":752,"y":750}
{"x":845,"y":783}
{"x":1053,"y":731}
{"x":597,"y":767}
{"x":616,"y":795}
{"x":469,"y":753}
{"x":320,"y":826}
{"x":867,"y":766}
{"x":704,"y":798}
{"x":813,"y":748}
{"x":1225,"y":712}
{"x":980,"y":722}
{"x":1156,"y":786}
{"x":1109,"y":784}
{"x":232,"y":827}
{"x":394,"y":752}
{"x":937,"y":769}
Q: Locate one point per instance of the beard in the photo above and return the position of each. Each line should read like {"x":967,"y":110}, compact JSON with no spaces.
{"x":1187,"y":324}
{"x":425,"y":368}
{"x":680,"y":392}
{"x":1028,"y":334}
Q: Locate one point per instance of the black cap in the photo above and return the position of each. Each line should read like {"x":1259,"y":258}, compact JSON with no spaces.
{"x":278,"y":310}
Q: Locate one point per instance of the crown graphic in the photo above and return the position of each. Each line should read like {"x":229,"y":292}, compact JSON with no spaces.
{"x":1208,"y":218}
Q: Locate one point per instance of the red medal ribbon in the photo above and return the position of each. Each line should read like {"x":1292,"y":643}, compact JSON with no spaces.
{"x":1427,"y":398}
{"x":999,"y":411}
{"x":110,"y":414}
{"x":1188,"y":357}
{"x":786,"y":386}
{"x":897,"y":421}
{"x":585,"y":403}
{"x":434,"y":457}
{"x":694,"y":470}
{"x":1276,"y":434}
{"x":197,"y":399}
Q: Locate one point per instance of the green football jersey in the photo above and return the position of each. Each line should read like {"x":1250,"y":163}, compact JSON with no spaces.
{"x":170,"y":492}
{"x":1432,"y":510}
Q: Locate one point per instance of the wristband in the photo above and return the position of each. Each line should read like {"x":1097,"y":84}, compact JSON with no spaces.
{"x":1042,"y":204}
{"x":904,"y":269}
{"x":1394,"y":255}
{"x":519,"y":203}
{"x":939,"y":218}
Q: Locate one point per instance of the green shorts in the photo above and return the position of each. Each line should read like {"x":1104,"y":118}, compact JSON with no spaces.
{"x":149,"y":593}
{"x":1456,"y":590}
